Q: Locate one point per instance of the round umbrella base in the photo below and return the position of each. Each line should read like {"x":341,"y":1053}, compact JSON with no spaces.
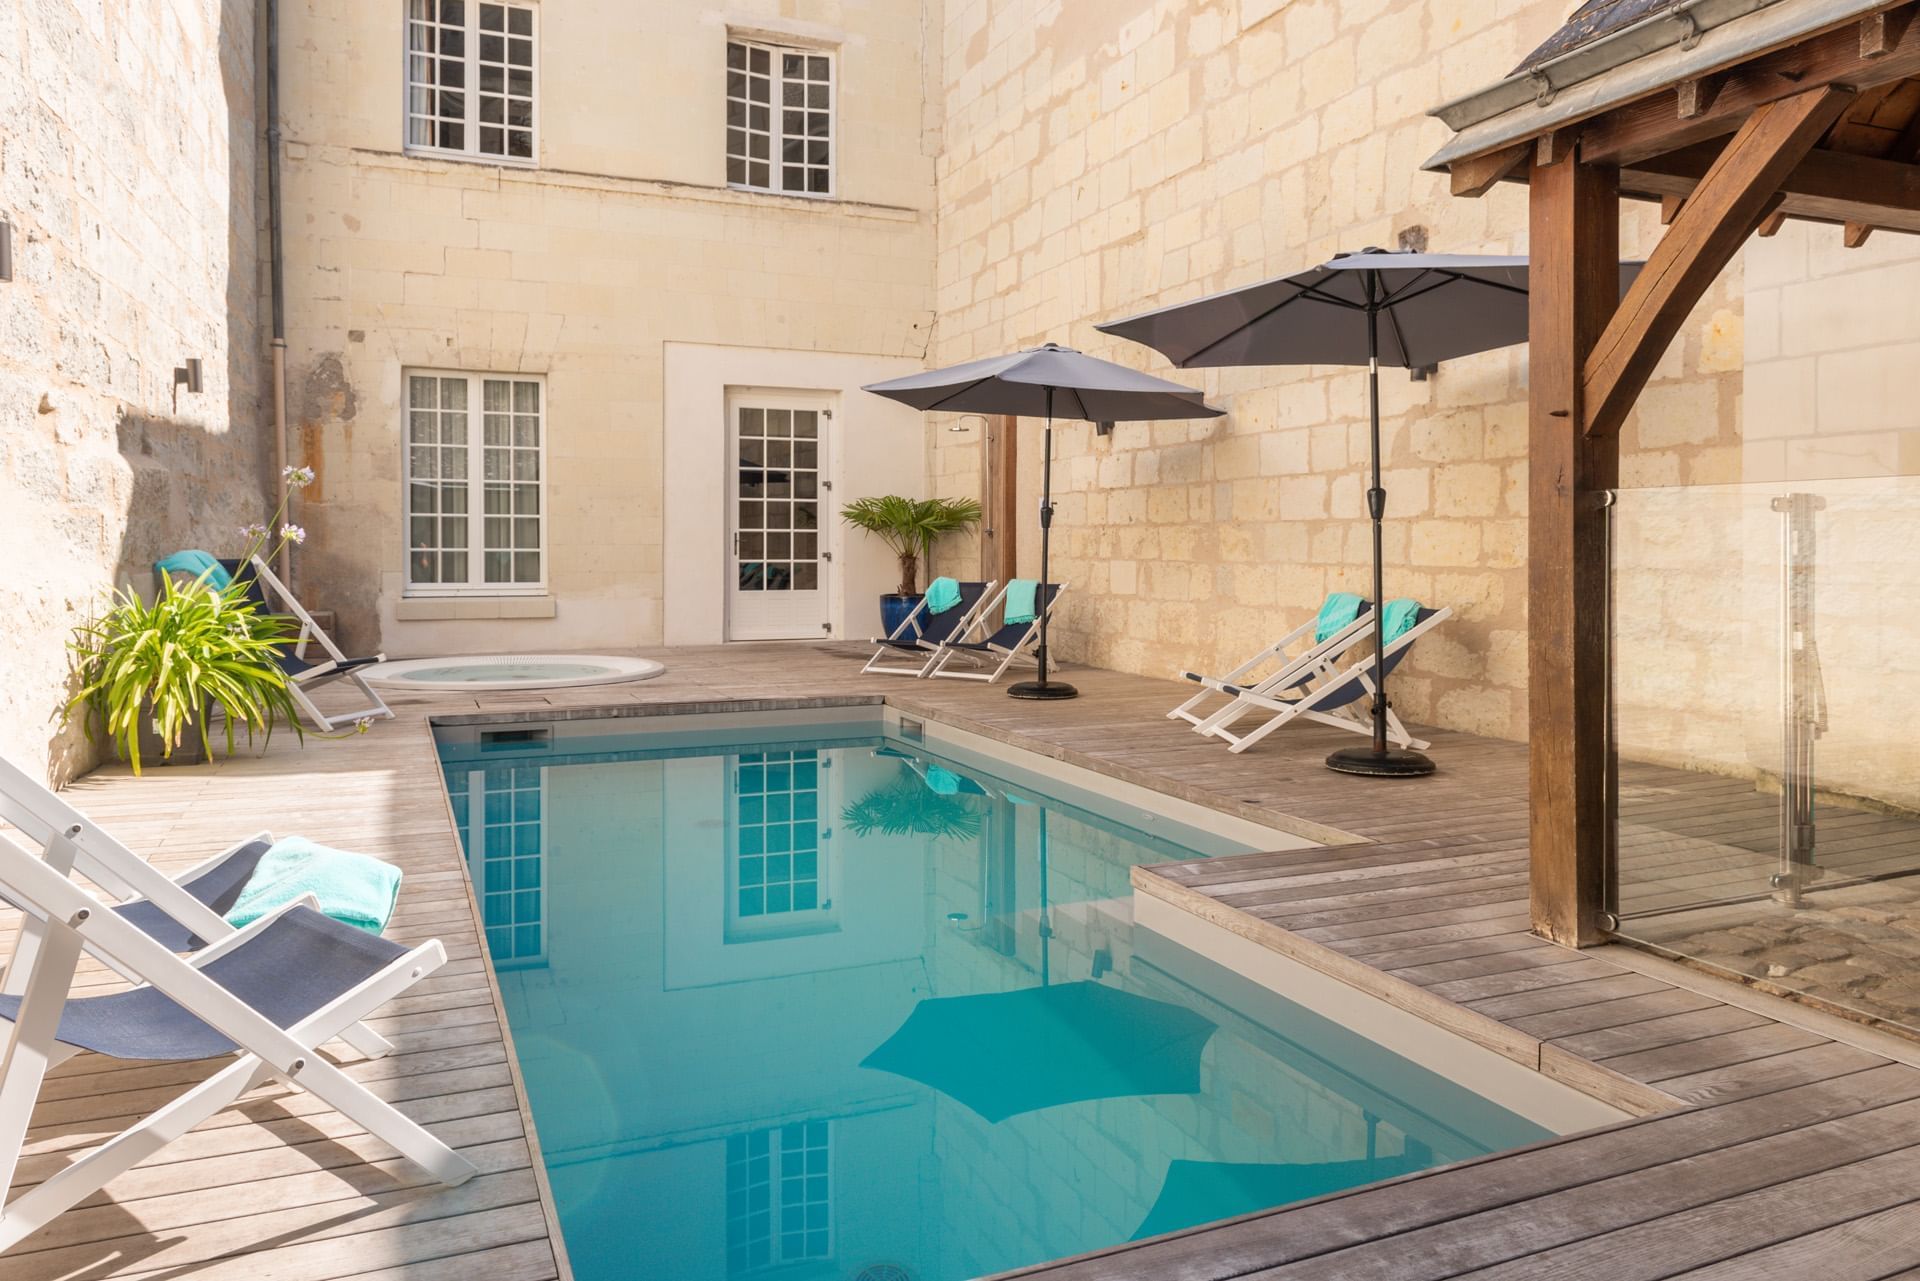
{"x":1392,"y":763}
{"x":1042,"y":690}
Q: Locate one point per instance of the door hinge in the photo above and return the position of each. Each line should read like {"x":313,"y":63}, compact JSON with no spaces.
{"x":826,"y":555}
{"x":826,"y":484}
{"x":736,"y":544}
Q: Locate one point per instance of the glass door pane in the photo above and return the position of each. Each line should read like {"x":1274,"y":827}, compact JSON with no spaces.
{"x":778,"y":554}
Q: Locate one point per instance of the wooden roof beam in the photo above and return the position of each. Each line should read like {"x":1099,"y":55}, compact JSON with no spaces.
{"x":1829,"y":185}
{"x":1737,"y":192}
{"x":1881,"y":32}
{"x":1653,"y":125}
{"x":1478,"y":176}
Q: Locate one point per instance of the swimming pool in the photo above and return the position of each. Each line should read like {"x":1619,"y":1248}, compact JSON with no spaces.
{"x":830,"y":998}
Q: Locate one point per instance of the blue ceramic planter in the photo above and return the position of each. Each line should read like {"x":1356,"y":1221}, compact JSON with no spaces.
{"x":894,"y":609}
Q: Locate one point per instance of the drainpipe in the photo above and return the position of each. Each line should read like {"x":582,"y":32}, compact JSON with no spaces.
{"x":277,"y":270}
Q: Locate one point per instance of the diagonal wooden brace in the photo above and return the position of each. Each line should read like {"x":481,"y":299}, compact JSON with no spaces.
{"x":1736,"y":193}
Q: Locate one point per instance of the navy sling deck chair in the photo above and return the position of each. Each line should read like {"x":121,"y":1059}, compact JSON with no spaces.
{"x":1335,"y":700}
{"x":1002,"y":647}
{"x":269,"y":994}
{"x":182,"y":913}
{"x":306,"y":671}
{"x":924,"y":647}
{"x":1316,"y":661}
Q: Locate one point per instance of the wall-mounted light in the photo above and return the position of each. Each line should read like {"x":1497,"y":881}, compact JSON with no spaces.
{"x":6,"y":250}
{"x":188,"y":376}
{"x":1103,"y":429}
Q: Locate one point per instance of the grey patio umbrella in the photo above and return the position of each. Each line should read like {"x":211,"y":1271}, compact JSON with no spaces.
{"x":1369,"y":308}
{"x":1047,"y":381}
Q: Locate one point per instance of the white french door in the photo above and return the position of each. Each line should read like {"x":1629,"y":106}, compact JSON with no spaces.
{"x":778,"y":557}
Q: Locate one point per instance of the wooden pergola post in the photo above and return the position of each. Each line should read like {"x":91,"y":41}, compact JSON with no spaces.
{"x":1575,"y":284}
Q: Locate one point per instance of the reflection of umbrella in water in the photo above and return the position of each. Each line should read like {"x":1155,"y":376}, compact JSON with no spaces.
{"x":1004,"y":1053}
{"x":1196,"y":1192}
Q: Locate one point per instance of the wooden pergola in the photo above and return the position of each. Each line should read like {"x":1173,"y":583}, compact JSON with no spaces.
{"x":1735,"y":115}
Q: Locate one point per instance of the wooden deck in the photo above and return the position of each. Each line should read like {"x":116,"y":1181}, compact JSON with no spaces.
{"x":1769,"y":1141}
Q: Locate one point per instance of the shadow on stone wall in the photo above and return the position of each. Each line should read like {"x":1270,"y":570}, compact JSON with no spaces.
{"x":196,"y":467}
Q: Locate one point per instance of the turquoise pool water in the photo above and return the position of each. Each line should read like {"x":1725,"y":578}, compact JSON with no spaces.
{"x":820,"y":1002}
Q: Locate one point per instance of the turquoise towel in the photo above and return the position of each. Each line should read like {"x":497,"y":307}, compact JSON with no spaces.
{"x":1398,"y":618}
{"x":942,"y":595}
{"x":193,"y":564}
{"x":352,"y":888}
{"x":1340,"y":609}
{"x":1023,"y":595}
{"x":942,"y":780}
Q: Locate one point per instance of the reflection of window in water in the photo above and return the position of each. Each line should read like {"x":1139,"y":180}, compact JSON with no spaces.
{"x":779,"y":871}
{"x":501,"y":812}
{"x":778,"y":1196}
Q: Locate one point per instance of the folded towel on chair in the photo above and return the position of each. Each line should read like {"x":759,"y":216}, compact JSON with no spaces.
{"x":1023,"y":597}
{"x":351,"y":888}
{"x":1340,"y":609}
{"x":1398,"y":618}
{"x":193,"y":564}
{"x":942,"y":595}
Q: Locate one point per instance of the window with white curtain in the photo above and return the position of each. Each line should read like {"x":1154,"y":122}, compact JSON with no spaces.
{"x":470,"y":75}
{"x":475,"y":483}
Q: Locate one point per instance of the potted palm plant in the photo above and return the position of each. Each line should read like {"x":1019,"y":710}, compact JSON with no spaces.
{"x":155,"y":674}
{"x":909,"y":527}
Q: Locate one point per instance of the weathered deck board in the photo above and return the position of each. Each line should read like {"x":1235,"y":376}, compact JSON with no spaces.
{"x":1423,"y":901}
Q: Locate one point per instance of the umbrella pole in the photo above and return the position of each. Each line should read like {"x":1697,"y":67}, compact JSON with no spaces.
{"x":1044,"y":688}
{"x":1377,"y":759}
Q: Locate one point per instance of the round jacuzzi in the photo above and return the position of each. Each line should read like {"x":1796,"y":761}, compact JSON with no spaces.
{"x":512,"y":671}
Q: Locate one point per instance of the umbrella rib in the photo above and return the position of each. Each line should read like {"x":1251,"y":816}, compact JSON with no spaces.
{"x":934,"y":408}
{"x":1306,"y":291}
{"x":1456,"y":277}
{"x":1399,"y":337}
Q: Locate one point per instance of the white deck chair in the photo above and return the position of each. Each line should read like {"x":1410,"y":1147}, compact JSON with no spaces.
{"x":302,"y":672}
{"x":1010,"y":643}
{"x":183,"y":913}
{"x":270,"y":994}
{"x":1297,"y":672}
{"x":924,"y":647}
{"x":1336,"y":700}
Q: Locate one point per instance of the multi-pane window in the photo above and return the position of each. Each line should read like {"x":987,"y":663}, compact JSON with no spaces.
{"x":470,"y":78}
{"x":779,"y":532}
{"x":779,"y":1196}
{"x":777,"y":813}
{"x":501,"y":813}
{"x":475,"y":496}
{"x":779,"y":118}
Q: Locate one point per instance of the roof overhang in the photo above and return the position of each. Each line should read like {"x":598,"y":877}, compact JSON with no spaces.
{"x":1690,"y":39}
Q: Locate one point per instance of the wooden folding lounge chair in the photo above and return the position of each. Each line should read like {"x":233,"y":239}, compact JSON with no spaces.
{"x":1341,"y":700}
{"x":1318,"y":659}
{"x":1010,"y":643}
{"x":924,"y":648}
{"x":183,"y":913}
{"x":270,"y":995}
{"x":304,"y":673}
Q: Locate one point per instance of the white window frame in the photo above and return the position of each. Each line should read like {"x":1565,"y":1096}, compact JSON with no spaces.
{"x":776,"y":124}
{"x":476,"y":583}
{"x":471,"y":152}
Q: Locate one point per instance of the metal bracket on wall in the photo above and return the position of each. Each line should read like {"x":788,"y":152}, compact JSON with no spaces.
{"x":6,"y":250}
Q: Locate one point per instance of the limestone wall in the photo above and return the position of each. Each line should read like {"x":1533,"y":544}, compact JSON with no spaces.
{"x":1105,"y":159}
{"x":127,"y":169}
{"x":623,"y":239}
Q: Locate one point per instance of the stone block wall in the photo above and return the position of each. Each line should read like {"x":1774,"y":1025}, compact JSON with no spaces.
{"x":1104,"y":160}
{"x":128,"y":173}
{"x":624,"y":238}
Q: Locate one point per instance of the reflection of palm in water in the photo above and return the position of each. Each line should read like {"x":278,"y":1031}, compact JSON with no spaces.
{"x":909,"y":808}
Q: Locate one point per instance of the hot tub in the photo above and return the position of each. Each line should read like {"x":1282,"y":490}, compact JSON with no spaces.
{"x":512,"y":671}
